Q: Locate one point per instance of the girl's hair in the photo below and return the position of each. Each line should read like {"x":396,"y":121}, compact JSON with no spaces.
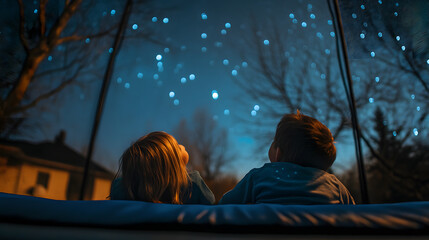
{"x":153,"y":171}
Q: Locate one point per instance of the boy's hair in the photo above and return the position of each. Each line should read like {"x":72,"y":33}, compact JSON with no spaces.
{"x":305,"y":141}
{"x":153,"y":171}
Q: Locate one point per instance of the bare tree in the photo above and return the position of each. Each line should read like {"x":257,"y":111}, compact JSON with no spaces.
{"x":39,"y":38}
{"x":283,"y":79}
{"x":61,"y":46}
{"x":209,"y":151}
{"x":286,"y":74}
{"x":207,"y":144}
{"x":396,"y":31}
{"x":396,"y":36}
{"x":396,"y":166}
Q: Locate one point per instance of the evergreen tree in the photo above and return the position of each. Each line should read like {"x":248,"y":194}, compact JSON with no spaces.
{"x":398,"y":166}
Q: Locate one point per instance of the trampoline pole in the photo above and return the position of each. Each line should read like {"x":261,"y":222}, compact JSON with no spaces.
{"x":355,"y":123}
{"x":103,"y":92}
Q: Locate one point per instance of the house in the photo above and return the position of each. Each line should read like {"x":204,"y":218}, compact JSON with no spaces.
{"x":49,"y":169}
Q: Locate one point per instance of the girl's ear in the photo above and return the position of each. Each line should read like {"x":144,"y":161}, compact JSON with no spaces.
{"x":184,"y":154}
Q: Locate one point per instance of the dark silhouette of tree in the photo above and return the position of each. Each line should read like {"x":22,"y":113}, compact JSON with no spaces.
{"x":209,"y":151}
{"x":282,"y":78}
{"x":294,"y":69}
{"x":52,"y":47}
{"x":397,"y":166}
{"x":397,"y":32}
{"x":293,"y":73}
{"x":207,"y":144}
{"x":37,"y":42}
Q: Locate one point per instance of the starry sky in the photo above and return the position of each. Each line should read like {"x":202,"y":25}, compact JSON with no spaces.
{"x":194,"y":66}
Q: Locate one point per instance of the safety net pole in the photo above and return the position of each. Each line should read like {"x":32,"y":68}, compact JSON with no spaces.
{"x":103,"y":92}
{"x":348,"y":85}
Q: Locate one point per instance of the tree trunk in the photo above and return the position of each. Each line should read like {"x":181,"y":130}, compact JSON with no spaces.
{"x":34,"y":57}
{"x":31,"y":63}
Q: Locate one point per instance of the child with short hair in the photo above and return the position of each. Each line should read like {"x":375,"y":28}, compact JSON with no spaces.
{"x":301,"y":153}
{"x":154,"y":170}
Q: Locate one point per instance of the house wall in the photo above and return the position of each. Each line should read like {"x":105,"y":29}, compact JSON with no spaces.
{"x":101,"y":189}
{"x":57,"y":184}
{"x":8,"y":176}
{"x":22,"y":178}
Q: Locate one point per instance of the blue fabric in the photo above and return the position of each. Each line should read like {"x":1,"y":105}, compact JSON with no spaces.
{"x":200,"y":194}
{"x":412,"y":215}
{"x":288,"y":183}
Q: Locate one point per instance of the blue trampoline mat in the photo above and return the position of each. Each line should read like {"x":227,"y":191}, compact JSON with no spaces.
{"x":410,"y":216}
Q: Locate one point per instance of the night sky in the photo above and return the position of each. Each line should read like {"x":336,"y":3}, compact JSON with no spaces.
{"x":155,"y":86}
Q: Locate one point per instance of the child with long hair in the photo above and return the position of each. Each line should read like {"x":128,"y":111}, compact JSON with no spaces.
{"x":153,"y":169}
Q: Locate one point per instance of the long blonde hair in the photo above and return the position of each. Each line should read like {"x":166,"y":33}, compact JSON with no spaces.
{"x":153,"y":171}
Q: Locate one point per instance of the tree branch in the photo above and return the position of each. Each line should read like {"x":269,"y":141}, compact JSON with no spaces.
{"x":416,"y":73}
{"x":79,"y":38}
{"x":339,"y":129}
{"x":61,"y":23}
{"x":22,"y":36}
{"x":390,"y":169}
{"x":42,"y":17}
{"x":46,"y":95}
{"x":148,"y":37}
{"x":60,"y":69}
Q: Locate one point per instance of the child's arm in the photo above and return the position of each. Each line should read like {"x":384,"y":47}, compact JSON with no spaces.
{"x":346,"y":197}
{"x":201,"y":193}
{"x":242,"y":193}
{"x":117,"y":190}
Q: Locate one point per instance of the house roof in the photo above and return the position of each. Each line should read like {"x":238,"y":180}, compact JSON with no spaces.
{"x":55,"y":152}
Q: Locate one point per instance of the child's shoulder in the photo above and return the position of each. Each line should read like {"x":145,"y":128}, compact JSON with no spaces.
{"x":117,"y":190}
{"x":267,"y":167}
{"x":277,"y":166}
{"x":257,"y":172}
{"x":291,"y":170}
